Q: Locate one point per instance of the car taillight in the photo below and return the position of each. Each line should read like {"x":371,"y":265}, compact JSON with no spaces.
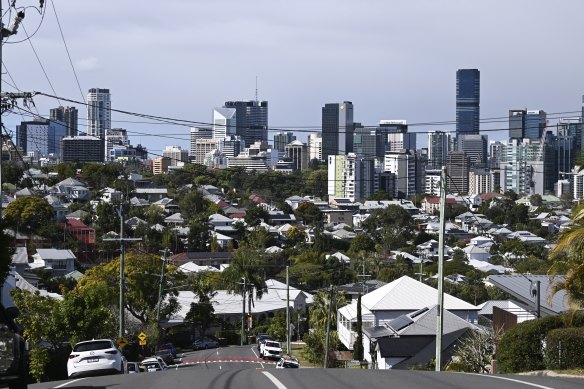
{"x":71,"y":356}
{"x":112,"y":352}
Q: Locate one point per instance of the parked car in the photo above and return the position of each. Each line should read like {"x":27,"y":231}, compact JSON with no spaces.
{"x":261,"y":338}
{"x":168,"y":346}
{"x":288,"y":363}
{"x":133,"y":367}
{"x":166,"y":355}
{"x":205,"y":343}
{"x":99,"y":356}
{"x":152,"y":364}
{"x":270,"y":349}
{"x":162,"y":362}
{"x":13,"y":356}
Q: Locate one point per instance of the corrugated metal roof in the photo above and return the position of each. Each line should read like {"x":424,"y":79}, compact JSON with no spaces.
{"x":520,"y":287}
{"x":407,"y":294}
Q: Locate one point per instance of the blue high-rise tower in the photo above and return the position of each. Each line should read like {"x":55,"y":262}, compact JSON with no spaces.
{"x":468,"y":97}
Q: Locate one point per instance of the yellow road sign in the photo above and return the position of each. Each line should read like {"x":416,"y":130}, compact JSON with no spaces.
{"x":121,"y":341}
{"x":142,"y":342}
{"x":142,"y":336}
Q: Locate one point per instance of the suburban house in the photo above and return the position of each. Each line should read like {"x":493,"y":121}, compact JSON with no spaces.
{"x":228,"y":306}
{"x":59,"y":262}
{"x":400,"y":297}
{"x":409,"y":340}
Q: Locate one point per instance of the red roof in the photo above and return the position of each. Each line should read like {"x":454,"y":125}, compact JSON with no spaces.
{"x":436,"y":200}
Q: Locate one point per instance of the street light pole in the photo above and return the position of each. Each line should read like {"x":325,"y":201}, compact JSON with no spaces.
{"x":440,"y":314}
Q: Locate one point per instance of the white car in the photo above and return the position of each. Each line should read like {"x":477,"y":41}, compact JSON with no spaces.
{"x":98,"y":356}
{"x":288,"y":363}
{"x":270,"y":349}
{"x":153,"y":364}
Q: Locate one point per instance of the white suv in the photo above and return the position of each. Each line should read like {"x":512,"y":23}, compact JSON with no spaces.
{"x":270,"y":349}
{"x":100,"y":356}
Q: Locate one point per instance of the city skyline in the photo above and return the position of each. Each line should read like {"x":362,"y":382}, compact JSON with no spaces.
{"x":294,"y":52}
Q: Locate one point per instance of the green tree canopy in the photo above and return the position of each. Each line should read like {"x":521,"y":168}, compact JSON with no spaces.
{"x":28,"y":214}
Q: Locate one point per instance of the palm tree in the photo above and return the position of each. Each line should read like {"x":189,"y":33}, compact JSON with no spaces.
{"x":319,"y":309}
{"x":568,"y":260}
{"x":248,"y":264}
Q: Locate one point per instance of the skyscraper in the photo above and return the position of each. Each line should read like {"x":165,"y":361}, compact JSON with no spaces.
{"x":528,"y":124}
{"x":476,"y":148}
{"x":252,"y":120}
{"x":438,"y":148}
{"x":224,"y":122}
{"x":457,"y":165}
{"x":68,"y":115}
{"x":99,"y":115}
{"x":468,"y":97}
{"x":40,"y":136}
{"x":337,"y":129}
{"x":281,"y":139}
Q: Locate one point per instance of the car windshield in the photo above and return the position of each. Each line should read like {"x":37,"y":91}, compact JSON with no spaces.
{"x":90,"y":346}
{"x":151,"y":365}
{"x":272,"y":344}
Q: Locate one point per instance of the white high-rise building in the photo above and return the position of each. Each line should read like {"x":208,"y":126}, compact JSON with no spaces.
{"x":176,"y":154}
{"x":432,"y":182}
{"x":199,"y":133}
{"x":402,"y":165}
{"x":202,"y":148}
{"x":314,"y":147}
{"x":115,"y":137}
{"x":224,"y":122}
{"x":479,"y":181}
{"x":350,"y":177}
{"x":99,"y":114}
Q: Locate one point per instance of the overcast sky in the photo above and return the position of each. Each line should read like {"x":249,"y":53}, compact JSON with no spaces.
{"x":393,"y":59}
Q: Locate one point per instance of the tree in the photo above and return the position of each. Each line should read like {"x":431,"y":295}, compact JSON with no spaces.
{"x":309,"y":213}
{"x":11,"y":172}
{"x":246,"y":266}
{"x":278,"y":326}
{"x":358,"y":345}
{"x":255,"y":214}
{"x":40,"y":317}
{"x":476,"y":350}
{"x":199,"y":237}
{"x":202,"y":312}
{"x":142,"y":285}
{"x":192,"y":205}
{"x":28,"y":213}
{"x":295,"y":236}
{"x":318,"y":312}
{"x":6,"y":251}
{"x":361,"y":242}
{"x":568,"y":260}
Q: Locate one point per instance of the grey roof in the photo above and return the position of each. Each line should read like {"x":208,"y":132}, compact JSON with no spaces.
{"x":520,"y":287}
{"x":70,"y":182}
{"x":79,"y":214}
{"x":20,"y":256}
{"x":55,"y":254}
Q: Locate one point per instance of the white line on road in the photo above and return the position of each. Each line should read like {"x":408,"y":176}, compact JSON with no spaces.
{"x":254,"y":353}
{"x":274,"y":380}
{"x":514,"y":380}
{"x":67,"y":383}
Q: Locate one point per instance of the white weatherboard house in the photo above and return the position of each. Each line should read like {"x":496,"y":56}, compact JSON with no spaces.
{"x":400,"y":297}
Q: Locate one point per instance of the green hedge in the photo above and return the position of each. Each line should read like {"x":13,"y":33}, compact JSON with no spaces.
{"x":565,"y":348}
{"x":522,"y":347}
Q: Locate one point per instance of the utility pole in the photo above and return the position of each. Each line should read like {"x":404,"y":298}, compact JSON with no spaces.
{"x":122,"y":266}
{"x":440,"y":314}
{"x":287,"y":312}
{"x":164,"y":254}
{"x":328,"y":327}
{"x":4,"y":97}
{"x":243,"y":312}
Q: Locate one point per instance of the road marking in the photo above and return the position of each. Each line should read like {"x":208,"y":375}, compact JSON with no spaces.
{"x":67,"y":383}
{"x":219,"y":367}
{"x":274,"y":380}
{"x":254,"y":353}
{"x":514,"y":380}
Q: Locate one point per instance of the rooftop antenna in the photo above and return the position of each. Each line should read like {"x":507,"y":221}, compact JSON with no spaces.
{"x":256,"y":90}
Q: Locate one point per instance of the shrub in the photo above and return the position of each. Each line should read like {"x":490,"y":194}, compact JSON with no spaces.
{"x":522,"y":347}
{"x":565,"y":348}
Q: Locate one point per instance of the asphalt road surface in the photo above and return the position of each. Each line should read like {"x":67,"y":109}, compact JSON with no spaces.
{"x":240,"y":367}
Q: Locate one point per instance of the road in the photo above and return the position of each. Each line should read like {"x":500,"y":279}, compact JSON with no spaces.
{"x":239,"y":367}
